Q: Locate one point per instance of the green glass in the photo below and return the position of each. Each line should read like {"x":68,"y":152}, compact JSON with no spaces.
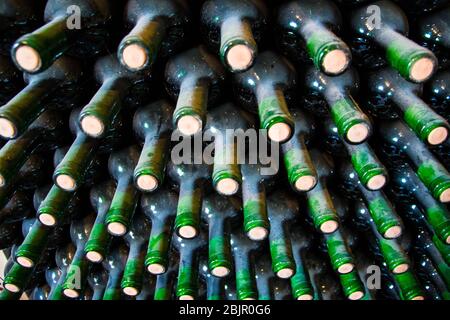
{"x":123,"y":205}
{"x":152,"y":125}
{"x":352,"y":286}
{"x":339,"y":252}
{"x":191,"y":179}
{"x":114,"y":264}
{"x":215,"y":286}
{"x":410,"y":288}
{"x":34,"y":244}
{"x":300,"y":282}
{"x":55,"y":208}
{"x":160,"y":208}
{"x":56,"y":276}
{"x":17,"y":278}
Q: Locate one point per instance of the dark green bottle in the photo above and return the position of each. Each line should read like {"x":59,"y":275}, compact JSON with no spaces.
{"x":244,"y":251}
{"x":195,"y":79}
{"x":389,"y":32}
{"x":44,"y":134}
{"x":430,"y":171}
{"x":435,"y":283}
{"x":320,"y":204}
{"x":311,"y":26}
{"x":188,"y":273}
{"x":215,"y":286}
{"x":300,"y":282}
{"x":157,"y":29}
{"x":22,"y":110}
{"x":234,"y":29}
{"x":381,"y":210}
{"x":339,"y":252}
{"x":336,"y":94}
{"x":301,"y":172}
{"x":220,"y":214}
{"x":114,"y":265}
{"x":97,"y":280}
{"x":191,"y":180}
{"x":409,"y":286}
{"x":282,"y":210}
{"x":266,"y":89}
{"x":266,"y":281}
{"x":116,"y":84}
{"x":99,"y":239}
{"x":437,"y":93}
{"x":75,"y":281}
{"x":56,"y":276}
{"x":165,"y":282}
{"x":160,"y":208}
{"x":436,"y":214}
{"x":152,"y":125}
{"x":229,"y":126}
{"x":137,"y":239}
{"x":36,"y":51}
{"x":123,"y":205}
{"x":18,"y":207}
{"x":394,"y":96}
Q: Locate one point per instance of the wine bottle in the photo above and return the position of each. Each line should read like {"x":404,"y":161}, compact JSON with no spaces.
{"x":301,"y":172}
{"x":165,"y":282}
{"x":282,"y":210}
{"x":215,"y":286}
{"x":300,"y":282}
{"x":99,"y":239}
{"x":97,"y":280}
{"x":391,"y":250}
{"x":435,"y":285}
{"x":17,"y":278}
{"x":437,"y":92}
{"x":152,"y":125}
{"x":226,"y":123}
{"x":256,"y":183}
{"x":413,"y":62}
{"x":120,"y":214}
{"x":114,"y":264}
{"x":388,"y":89}
{"x":244,"y":251}
{"x":266,"y":280}
{"x":116,"y":84}
{"x":312,"y":26}
{"x":56,"y":276}
{"x":36,"y":51}
{"x":199,"y":86}
{"x":75,"y":281}
{"x":337,"y":94}
{"x":429,"y":170}
{"x":266,"y":90}
{"x":75,"y":169}
{"x":409,"y":286}
{"x":22,"y":110}
{"x":157,"y":28}
{"x":339,"y":252}
{"x":160,"y":209}
{"x":191,"y":180}
{"x":188,"y":272}
{"x":137,"y":239}
{"x":220,"y":213}
{"x":320,"y":205}
{"x":40,"y":293}
{"x":382,"y":213}
{"x":44,"y":133}
{"x":234,"y":29}
{"x":436,"y":214}
{"x":148,"y":287}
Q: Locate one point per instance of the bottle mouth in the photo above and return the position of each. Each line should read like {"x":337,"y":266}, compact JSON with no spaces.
{"x":66,"y":182}
{"x":189,"y":125}
{"x":240,"y":57}
{"x":393,"y":232}
{"x":94,"y":256}
{"x":377,"y":182}
{"x":117,"y":229}
{"x":305,"y":297}
{"x":25,"y":262}
{"x":28,"y":58}
{"x":329,"y":226}
{"x":156,"y":268}
{"x":220,"y":272}
{"x":402,"y":268}
{"x":187,"y":232}
{"x":335,"y":62}
{"x":7,"y":129}
{"x":280,"y":132}
{"x":147,"y":183}
{"x":346,"y":268}
{"x":71,"y":293}
{"x":134,"y":57}
{"x":422,"y":69}
{"x":12,"y":287}
{"x":131,"y":291}
{"x":358,"y":133}
{"x":437,"y":136}
{"x":227,"y":186}
{"x":258,"y":233}
{"x":47,"y":219}
{"x":285,"y":273}
{"x":305,"y":183}
{"x":92,"y":126}
{"x":445,"y":196}
{"x":358,"y":295}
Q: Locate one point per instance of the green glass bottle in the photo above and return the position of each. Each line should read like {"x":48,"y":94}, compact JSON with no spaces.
{"x":114,"y":264}
{"x":266,"y":89}
{"x":157,"y":29}
{"x":153,"y":126}
{"x":311,"y":26}
{"x":44,"y":134}
{"x":99,"y":240}
{"x":35,"y":242}
{"x":36,"y":51}
{"x":56,"y":276}
{"x":228,"y":125}
{"x":220,"y":213}
{"x":137,"y":239}
{"x":244,"y":251}
{"x":22,"y":110}
{"x":123,"y":205}
{"x":215,"y":286}
{"x":339,"y":252}
{"x":191,"y":180}
{"x":75,"y":281}
{"x":394,"y":96}
{"x":234,"y":28}
{"x":300,"y":282}
{"x":195,"y":79}
{"x":188,"y":273}
{"x":282,"y":210}
{"x":413,"y":62}
{"x":116,"y":84}
{"x":409,"y":286}
{"x":430,"y":171}
{"x":301,"y":172}
{"x":160,"y":210}
{"x":97,"y":280}
{"x":320,"y":205}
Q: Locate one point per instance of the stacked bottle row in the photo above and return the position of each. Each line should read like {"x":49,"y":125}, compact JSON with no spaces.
{"x":355,"y":208}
